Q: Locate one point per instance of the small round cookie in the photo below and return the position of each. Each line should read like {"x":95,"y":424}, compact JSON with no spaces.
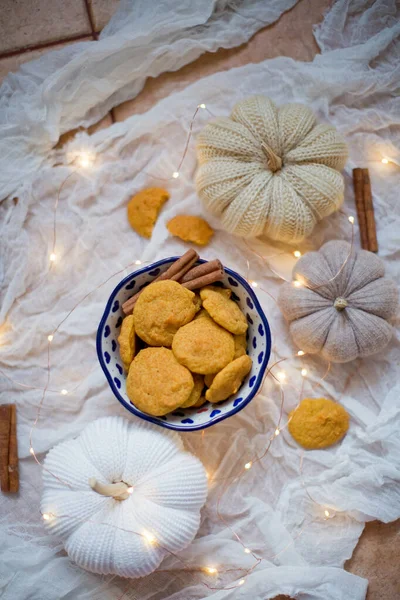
{"x":161,"y":309}
{"x":229,"y":380}
{"x":224,"y":311}
{"x":202,"y":400}
{"x":240,"y":345}
{"x":226,"y":292}
{"x":196,"y":392}
{"x":191,"y":229}
{"x":157,"y":384}
{"x":318,"y":423}
{"x":126,"y":341}
{"x":203,"y":346}
{"x":143,"y":209}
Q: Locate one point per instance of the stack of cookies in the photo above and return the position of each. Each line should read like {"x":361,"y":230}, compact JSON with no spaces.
{"x":193,"y":347}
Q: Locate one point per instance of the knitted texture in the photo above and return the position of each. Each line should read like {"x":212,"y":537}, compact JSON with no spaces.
{"x":169,"y":489}
{"x":347,"y":317}
{"x":269,"y":170}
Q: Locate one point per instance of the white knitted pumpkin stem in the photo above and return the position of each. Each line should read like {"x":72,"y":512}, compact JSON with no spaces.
{"x":340,"y":303}
{"x":274,"y":161}
{"x":118,"y":491}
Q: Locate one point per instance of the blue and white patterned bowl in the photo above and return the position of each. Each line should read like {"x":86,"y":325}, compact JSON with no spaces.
{"x":188,"y":419}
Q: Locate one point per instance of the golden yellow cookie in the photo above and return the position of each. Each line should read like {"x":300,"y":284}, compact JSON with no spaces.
{"x":229,"y":380}
{"x":160,"y":310}
{"x":157,"y":384}
{"x":318,"y":423}
{"x":202,"y":400}
{"x":224,"y":311}
{"x":143,"y":209}
{"x":240,"y":345}
{"x":196,"y":392}
{"x":203,"y":346}
{"x":191,"y":229}
{"x":197,"y":302}
{"x":202,"y":314}
{"x":126,"y":341}
{"x":226,"y":292}
{"x":208,"y":379}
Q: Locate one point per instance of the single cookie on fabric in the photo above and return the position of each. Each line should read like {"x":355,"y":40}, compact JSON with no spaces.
{"x":203,"y":346}
{"x":229,"y":380}
{"x":161,"y":309}
{"x":224,"y":311}
{"x":143,"y":209}
{"x":157,"y":384}
{"x":240,"y":345}
{"x":126,"y":341}
{"x":196,"y":392}
{"x":318,"y":423}
{"x":191,"y":229}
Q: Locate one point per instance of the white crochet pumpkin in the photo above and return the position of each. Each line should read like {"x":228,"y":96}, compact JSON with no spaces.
{"x":123,"y":477}
{"x":347,"y":317}
{"x":268,"y":170}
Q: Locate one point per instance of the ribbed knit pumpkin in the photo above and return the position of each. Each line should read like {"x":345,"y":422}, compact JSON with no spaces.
{"x":124,"y":493}
{"x":347,"y":317}
{"x":269,"y":170}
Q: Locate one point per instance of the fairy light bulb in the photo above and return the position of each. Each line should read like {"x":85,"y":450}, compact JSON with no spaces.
{"x":248,"y":465}
{"x":277,"y":432}
{"x":31,"y":450}
{"x":150,"y":538}
{"x":351,"y":219}
{"x":327,"y":513}
{"x":247,"y":551}
{"x":47,"y":516}
{"x":64,"y":392}
{"x":175,"y":174}
{"x":254,"y":284}
{"x":138,"y":262}
{"x":297,"y":253}
{"x":52,"y":257}
{"x":297,"y":283}
{"x":211,"y":570}
{"x":304,"y":372}
{"x":300,"y":353}
{"x":50,"y":337}
{"x":281,"y":375}
{"x":242,"y":581}
{"x":385,"y":161}
{"x":202,"y":105}
{"x":130,"y":491}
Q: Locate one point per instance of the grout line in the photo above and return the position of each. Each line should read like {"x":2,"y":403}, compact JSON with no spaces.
{"x":73,"y":38}
{"x":91,"y":18}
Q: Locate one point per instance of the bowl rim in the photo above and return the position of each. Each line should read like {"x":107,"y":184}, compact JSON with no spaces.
{"x":131,"y":408}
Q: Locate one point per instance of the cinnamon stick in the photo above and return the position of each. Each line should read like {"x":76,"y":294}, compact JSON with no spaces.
{"x":200,"y":270}
{"x":369,"y":212}
{"x":5,"y":419}
{"x":176,"y":270}
{"x":207,"y":279}
{"x":13,"y":471}
{"x":360,"y":206}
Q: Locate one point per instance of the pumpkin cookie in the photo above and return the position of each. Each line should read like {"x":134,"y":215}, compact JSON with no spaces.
{"x":318,"y":423}
{"x":197,"y":302}
{"x":226,"y":292}
{"x":203,"y":346}
{"x":208,"y":379}
{"x":196,"y":392}
{"x":224,"y":311}
{"x":161,"y":309}
{"x":126,"y":341}
{"x":191,"y":229}
{"x":143,"y":209}
{"x":240,"y":345}
{"x":157,"y":383}
{"x":202,"y":400}
{"x":229,"y":380}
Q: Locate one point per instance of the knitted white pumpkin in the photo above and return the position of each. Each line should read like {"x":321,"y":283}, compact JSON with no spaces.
{"x":126,"y":494}
{"x":347,"y":317}
{"x":269,"y":170}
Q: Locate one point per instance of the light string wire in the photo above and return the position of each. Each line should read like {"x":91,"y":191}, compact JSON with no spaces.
{"x":248,"y":465}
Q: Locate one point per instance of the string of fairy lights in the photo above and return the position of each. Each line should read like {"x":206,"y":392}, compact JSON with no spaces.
{"x":84,"y":159}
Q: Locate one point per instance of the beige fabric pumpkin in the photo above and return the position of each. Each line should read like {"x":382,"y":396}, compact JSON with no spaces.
{"x":269,"y":170}
{"x":347,"y":317}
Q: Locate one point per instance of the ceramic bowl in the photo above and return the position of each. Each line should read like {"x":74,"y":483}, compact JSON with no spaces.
{"x":188,"y":419}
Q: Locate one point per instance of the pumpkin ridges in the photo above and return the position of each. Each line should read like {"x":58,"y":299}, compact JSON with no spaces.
{"x":259,"y":115}
{"x":372,"y":332}
{"x":368,"y":267}
{"x":310,"y":333}
{"x":301,"y":302}
{"x":341,"y":342}
{"x":227,"y":136}
{"x":294,"y":121}
{"x":379,"y":297}
{"x":323,"y":145}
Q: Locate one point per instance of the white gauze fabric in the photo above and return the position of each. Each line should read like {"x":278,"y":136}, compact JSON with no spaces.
{"x":353,"y":88}
{"x":77,"y":85}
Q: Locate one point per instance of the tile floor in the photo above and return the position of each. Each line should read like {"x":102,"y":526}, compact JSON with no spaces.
{"x":28,"y":29}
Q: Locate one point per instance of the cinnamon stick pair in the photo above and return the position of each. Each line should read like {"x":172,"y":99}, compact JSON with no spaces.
{"x":181,"y":271}
{"x":8,"y":448}
{"x":365,"y":209}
